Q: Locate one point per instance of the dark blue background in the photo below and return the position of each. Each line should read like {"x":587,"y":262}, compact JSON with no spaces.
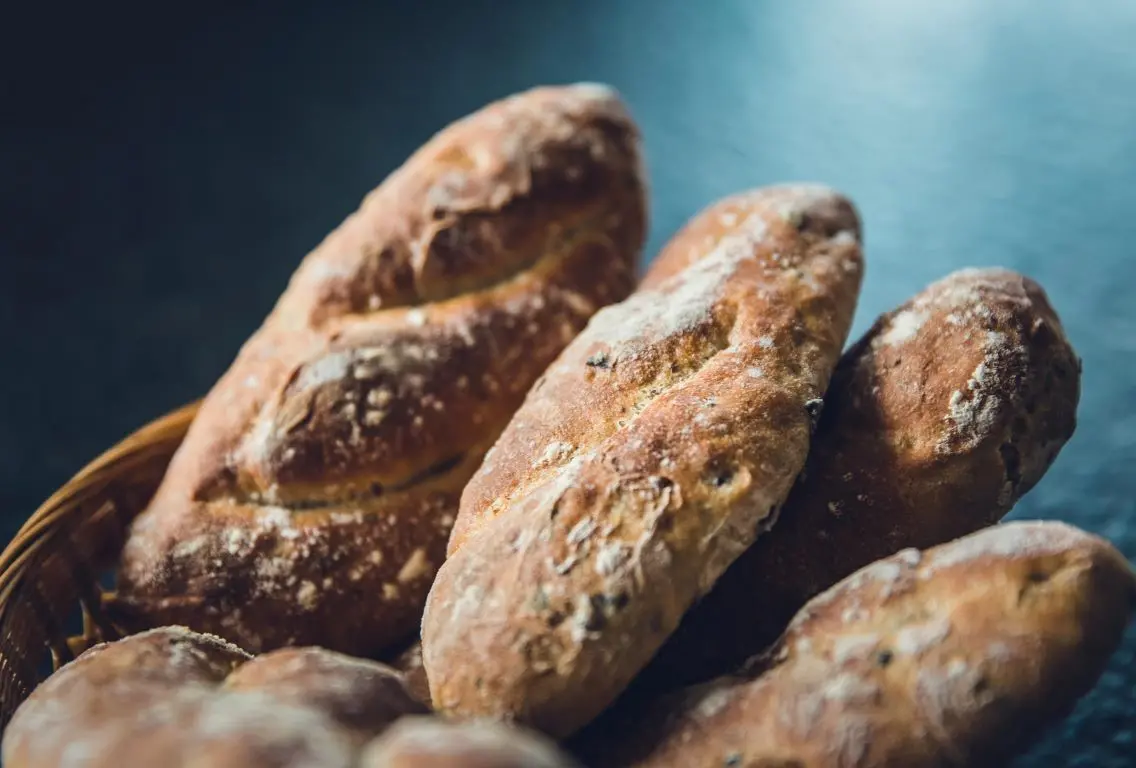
{"x":161,"y":177}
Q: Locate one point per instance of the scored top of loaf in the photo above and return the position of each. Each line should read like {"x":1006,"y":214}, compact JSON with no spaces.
{"x":488,"y":231}
{"x":327,"y":462}
{"x":682,"y":321}
{"x":653,"y":451}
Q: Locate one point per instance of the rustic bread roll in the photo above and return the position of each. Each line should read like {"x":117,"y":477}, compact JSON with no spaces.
{"x":175,"y":697}
{"x":425,"y":742}
{"x":642,"y":463}
{"x":361,"y":696}
{"x":193,"y":726}
{"x":936,"y":422}
{"x":311,"y":500}
{"x":224,"y":730}
{"x":65,"y":716}
{"x":956,"y":656}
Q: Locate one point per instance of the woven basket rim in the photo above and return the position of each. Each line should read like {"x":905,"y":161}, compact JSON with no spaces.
{"x":137,"y":463}
{"x":118,"y":459}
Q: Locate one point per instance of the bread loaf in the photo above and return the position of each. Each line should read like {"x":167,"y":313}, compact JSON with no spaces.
{"x":646,"y":459}
{"x":166,"y":696}
{"x":426,"y":742}
{"x":66,"y":717}
{"x":361,"y":696}
{"x":220,"y":729}
{"x":936,"y":422}
{"x":312,"y":498}
{"x":959,"y":655}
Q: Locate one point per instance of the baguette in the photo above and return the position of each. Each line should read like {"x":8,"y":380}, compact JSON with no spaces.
{"x":426,"y":742}
{"x":644,"y":461}
{"x":313,"y":496}
{"x":936,"y":422}
{"x":959,"y":655}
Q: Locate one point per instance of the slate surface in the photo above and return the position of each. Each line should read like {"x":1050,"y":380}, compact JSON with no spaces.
{"x":160,"y":178}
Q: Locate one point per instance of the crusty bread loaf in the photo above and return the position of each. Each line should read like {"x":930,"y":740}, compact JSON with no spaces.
{"x":646,"y":459}
{"x":221,"y":729}
{"x":959,"y":655}
{"x":65,"y":716}
{"x":94,"y":686}
{"x":426,"y":742}
{"x":312,"y":498}
{"x":936,"y":422}
{"x":168,"y":695}
{"x":362,"y":696}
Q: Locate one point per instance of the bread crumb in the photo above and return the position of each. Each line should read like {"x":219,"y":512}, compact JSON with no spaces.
{"x":307,"y":595}
{"x":853,"y":646}
{"x":712,"y":703}
{"x":379,"y":397}
{"x":914,"y":640}
{"x":611,"y":556}
{"x":903,"y":327}
{"x":581,"y":531}
{"x":555,"y":453}
{"x":191,"y":547}
{"x":848,"y":687}
{"x":583,"y":617}
{"x":416,"y":566}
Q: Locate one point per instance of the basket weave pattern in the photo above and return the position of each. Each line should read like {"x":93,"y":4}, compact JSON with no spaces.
{"x":50,"y":572}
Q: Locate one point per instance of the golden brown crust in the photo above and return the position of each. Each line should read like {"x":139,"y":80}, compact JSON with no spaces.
{"x":426,"y":742}
{"x":361,"y":696}
{"x":956,"y":656}
{"x":642,"y":463}
{"x":189,"y":726}
{"x":67,"y":711}
{"x":169,"y":695}
{"x":311,"y":500}
{"x":225,"y":730}
{"x":936,"y":422}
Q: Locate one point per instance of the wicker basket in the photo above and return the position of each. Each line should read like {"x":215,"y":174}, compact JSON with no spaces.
{"x":53,"y":572}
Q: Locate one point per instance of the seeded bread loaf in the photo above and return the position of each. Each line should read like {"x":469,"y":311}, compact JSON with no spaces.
{"x":959,"y":655}
{"x":646,"y":459}
{"x":312,"y":498}
{"x":936,"y":422}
